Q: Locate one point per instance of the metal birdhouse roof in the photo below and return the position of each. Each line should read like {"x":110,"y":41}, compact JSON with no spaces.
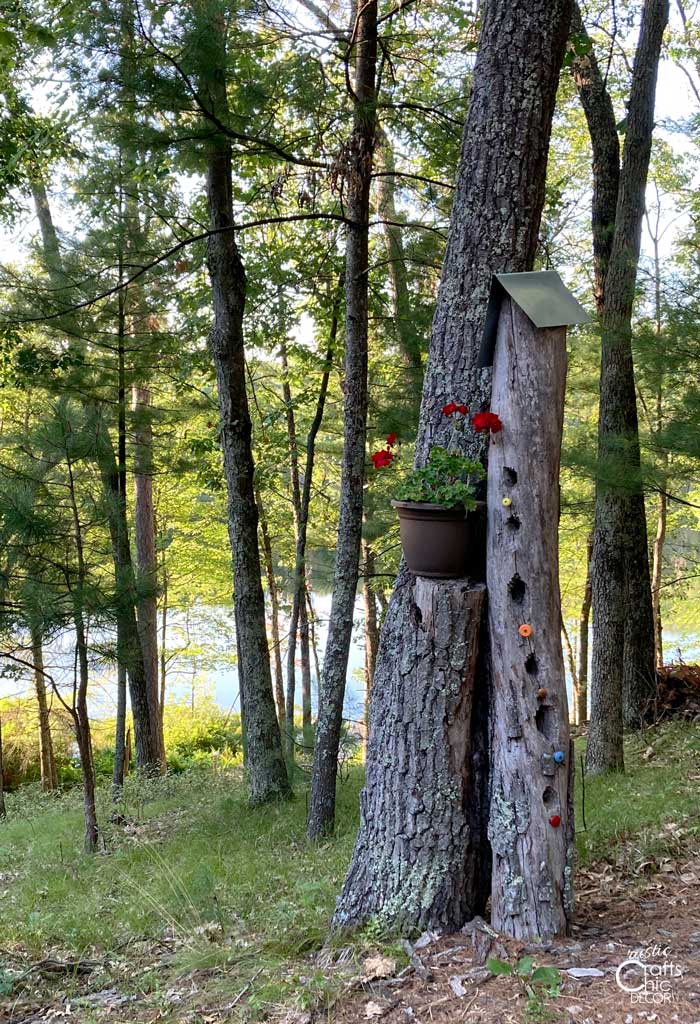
{"x":542,"y":296}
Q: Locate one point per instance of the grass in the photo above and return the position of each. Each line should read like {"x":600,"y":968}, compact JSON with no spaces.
{"x":198,"y":881}
{"x":650,"y":811}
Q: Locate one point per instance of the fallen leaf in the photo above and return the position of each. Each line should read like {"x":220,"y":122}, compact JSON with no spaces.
{"x":378,"y":967}
{"x":374,"y":1010}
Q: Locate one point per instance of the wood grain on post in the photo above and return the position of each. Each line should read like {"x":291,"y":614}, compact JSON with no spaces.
{"x":531,"y":818}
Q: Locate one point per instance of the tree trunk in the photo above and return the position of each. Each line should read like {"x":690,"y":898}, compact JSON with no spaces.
{"x":416,"y":858}
{"x":300,"y":617}
{"x":406,"y":332}
{"x":129,"y":653}
{"x":146,"y":558}
{"x":298,"y":604}
{"x":119,"y":769}
{"x":3,"y":809}
{"x":266,"y":766}
{"x":531,"y":825}
{"x":274,"y":610}
{"x":494,"y":227}
{"x":49,"y":776}
{"x":347,"y":560}
{"x":583,"y":627}
{"x":573,"y":672}
{"x":371,"y":633}
{"x":79,"y":709}
{"x":163,"y":636}
{"x":113,"y":476}
{"x":622,"y":682}
{"x":656,"y":576}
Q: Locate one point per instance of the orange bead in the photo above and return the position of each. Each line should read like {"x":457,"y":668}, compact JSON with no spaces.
{"x":525,"y":629}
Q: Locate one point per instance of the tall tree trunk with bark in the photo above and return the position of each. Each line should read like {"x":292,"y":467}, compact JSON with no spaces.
{"x":583,"y":630}
{"x":120,"y":759}
{"x":371,"y":632}
{"x":274,"y":610}
{"x":49,"y":775}
{"x":623,"y":680}
{"x":3,"y":809}
{"x":347,"y":559}
{"x":265,"y":760}
{"x":422,"y":856}
{"x":113,"y":476}
{"x":79,"y":709}
{"x":146,"y":557}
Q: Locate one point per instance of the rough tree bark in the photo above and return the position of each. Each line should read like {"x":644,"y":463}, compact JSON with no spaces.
{"x":371,"y":632}
{"x":622,"y":678}
{"x":49,"y":776}
{"x":265,"y":761}
{"x":583,"y":629}
{"x":79,"y":708}
{"x":113,"y":475}
{"x":435,"y":798}
{"x":274,"y":610}
{"x":3,"y":809}
{"x":358,"y":178}
{"x":146,"y":557}
{"x":532,"y":878}
{"x":299,"y":619}
{"x":299,"y":584}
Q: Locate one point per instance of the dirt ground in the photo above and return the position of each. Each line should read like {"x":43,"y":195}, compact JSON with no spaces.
{"x":614,"y":921}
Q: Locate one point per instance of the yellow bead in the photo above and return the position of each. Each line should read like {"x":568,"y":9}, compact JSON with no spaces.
{"x":507,"y":502}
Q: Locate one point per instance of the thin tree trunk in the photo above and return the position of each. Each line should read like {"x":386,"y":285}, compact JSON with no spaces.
{"x":3,"y":809}
{"x":371,"y":633}
{"x":656,"y":577}
{"x":113,"y":476}
{"x":81,"y":719}
{"x":49,"y":776}
{"x":146,"y":558}
{"x":583,"y":629}
{"x":312,"y":634}
{"x":573,"y":672}
{"x":299,"y":581}
{"x":163,"y":636}
{"x":623,"y":640}
{"x":407,"y":334}
{"x":298,"y":603}
{"x":266,"y":765}
{"x":347,"y":560}
{"x":119,"y":769}
{"x":421,"y":856}
{"x":274,"y":610}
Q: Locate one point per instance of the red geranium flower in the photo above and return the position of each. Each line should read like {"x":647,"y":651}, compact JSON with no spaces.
{"x":485,"y":421}
{"x":391,"y":439}
{"x":450,"y":408}
{"x":382,"y":458}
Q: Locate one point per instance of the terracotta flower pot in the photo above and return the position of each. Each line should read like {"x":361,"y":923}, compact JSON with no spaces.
{"x":434,"y":539}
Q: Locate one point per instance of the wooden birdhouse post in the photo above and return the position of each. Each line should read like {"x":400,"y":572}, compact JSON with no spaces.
{"x":531,"y":823}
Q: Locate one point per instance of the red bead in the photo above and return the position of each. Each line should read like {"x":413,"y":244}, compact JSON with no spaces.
{"x":555,"y":821}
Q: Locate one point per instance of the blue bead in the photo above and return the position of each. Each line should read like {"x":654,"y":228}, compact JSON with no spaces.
{"x":559,"y":756}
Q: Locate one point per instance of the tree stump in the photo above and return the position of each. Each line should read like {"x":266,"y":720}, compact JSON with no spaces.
{"x":421,"y":854}
{"x":531,"y":820}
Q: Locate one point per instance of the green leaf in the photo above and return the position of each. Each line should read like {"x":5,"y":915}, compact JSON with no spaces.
{"x":546,"y":975}
{"x":499,"y":967}
{"x":525,"y":965}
